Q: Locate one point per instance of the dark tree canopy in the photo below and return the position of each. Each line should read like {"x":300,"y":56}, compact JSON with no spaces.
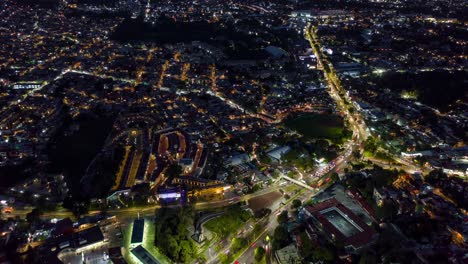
{"x":171,"y":234}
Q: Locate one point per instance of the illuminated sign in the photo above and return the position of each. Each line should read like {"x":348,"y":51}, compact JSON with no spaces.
{"x":169,"y":195}
{"x":21,"y":86}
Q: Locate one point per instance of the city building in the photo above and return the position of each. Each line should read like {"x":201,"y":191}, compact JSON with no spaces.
{"x":138,"y":230}
{"x":143,"y":255}
{"x":288,"y":255}
{"x":55,"y":249}
{"x":338,"y":223}
{"x":277,"y":153}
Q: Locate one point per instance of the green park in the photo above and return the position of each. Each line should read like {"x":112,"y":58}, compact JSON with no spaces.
{"x":315,"y":126}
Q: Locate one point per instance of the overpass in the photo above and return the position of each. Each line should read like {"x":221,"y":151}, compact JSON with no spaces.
{"x":297,"y":182}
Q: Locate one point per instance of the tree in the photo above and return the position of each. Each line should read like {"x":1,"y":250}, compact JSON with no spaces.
{"x":346,"y":132}
{"x":276,"y":174}
{"x":32,"y":256}
{"x":368,"y":258}
{"x":323,"y":254}
{"x":358,"y":166}
{"x":263,"y":158}
{"x":33,"y":216}
{"x":186,"y":251}
{"x":171,"y":234}
{"x":104,"y":174}
{"x":257,"y":187}
{"x":141,"y":192}
{"x":238,"y":243}
{"x":77,"y":205}
{"x":142,"y":189}
{"x":172,"y":246}
{"x":201,"y":258}
{"x":81,"y":208}
{"x":259,"y":253}
{"x":283,"y":217}
{"x":280,"y":237}
{"x":356,"y":154}
{"x":322,"y":144}
{"x":257,"y":228}
{"x":225,"y":258}
{"x":104,"y":207}
{"x":262,"y":212}
{"x":370,"y":145}
{"x":44,"y":205}
{"x":296,"y":203}
{"x":307,"y":246}
{"x":434,"y":176}
{"x":174,"y":170}
{"x":387,"y":210}
{"x":334,"y":176}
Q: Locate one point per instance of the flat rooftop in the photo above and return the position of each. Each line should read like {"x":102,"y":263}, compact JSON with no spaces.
{"x":341,"y":222}
{"x":137,"y":231}
{"x":144,"y":256}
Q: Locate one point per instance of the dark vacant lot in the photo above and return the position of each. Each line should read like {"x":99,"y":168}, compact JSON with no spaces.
{"x":72,"y":152}
{"x":437,"y":88}
{"x":264,"y":201}
{"x":166,"y":31}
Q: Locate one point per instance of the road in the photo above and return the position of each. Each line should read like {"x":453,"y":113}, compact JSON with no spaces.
{"x":359,"y":132}
{"x":333,"y":82}
{"x":247,"y":256}
{"x":133,"y":212}
{"x":344,"y":102}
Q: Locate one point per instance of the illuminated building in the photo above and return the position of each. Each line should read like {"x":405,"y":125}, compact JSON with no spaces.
{"x":171,"y":195}
{"x":54,"y":249}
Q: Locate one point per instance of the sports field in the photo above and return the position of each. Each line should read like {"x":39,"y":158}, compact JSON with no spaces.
{"x":317,"y":126}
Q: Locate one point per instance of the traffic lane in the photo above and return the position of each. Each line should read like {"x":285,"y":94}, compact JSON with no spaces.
{"x":276,"y":208}
{"x":268,"y":230}
{"x":132,"y":212}
{"x":248,"y":256}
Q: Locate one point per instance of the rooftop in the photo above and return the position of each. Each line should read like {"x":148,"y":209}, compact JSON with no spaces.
{"x":288,"y":254}
{"x":342,"y":223}
{"x":144,"y":256}
{"x":137,"y":231}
